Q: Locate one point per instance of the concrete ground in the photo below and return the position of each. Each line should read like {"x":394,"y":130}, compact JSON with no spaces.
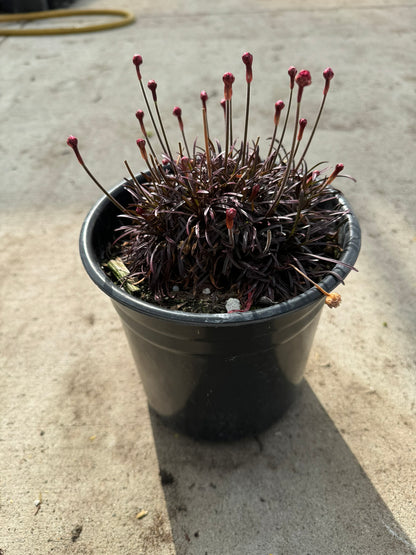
{"x":80,"y":454}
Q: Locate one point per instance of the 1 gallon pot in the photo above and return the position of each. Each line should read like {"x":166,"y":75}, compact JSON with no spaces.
{"x":214,"y":376}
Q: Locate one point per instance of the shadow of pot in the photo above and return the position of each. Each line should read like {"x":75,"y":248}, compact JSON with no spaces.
{"x":215,"y":376}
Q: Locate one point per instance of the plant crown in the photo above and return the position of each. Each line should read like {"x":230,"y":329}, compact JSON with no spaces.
{"x":261,"y":227}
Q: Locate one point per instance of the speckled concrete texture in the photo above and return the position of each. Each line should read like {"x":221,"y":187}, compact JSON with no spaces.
{"x":80,"y":455}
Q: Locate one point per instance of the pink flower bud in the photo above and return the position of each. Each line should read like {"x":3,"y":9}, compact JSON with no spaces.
{"x":248,"y":60}
{"x":228,"y":79}
{"x":302,"y":125}
{"x":140,"y":116}
{"x":73,"y":143}
{"x":278,"y":107}
{"x":141,"y":143}
{"x":178,"y":113}
{"x":303,"y":79}
{"x":230,"y":214}
{"x":313,"y":176}
{"x":292,"y":74}
{"x":338,"y":169}
{"x":223,"y":103}
{"x":152,"y":85}
{"x":204,"y":98}
{"x":137,"y":61}
{"x":328,"y":75}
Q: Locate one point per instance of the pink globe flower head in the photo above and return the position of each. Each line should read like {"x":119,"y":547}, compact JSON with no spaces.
{"x":73,"y":143}
{"x":228,"y":79}
{"x":292,"y":74}
{"x":278,"y":107}
{"x":248,"y":61}
{"x":140,"y":115}
{"x":204,"y":98}
{"x":152,"y":85}
{"x":328,"y":75}
{"x":137,"y":61}
{"x":230,"y":214}
{"x":303,"y":79}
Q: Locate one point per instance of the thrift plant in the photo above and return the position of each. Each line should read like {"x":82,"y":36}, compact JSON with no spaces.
{"x":258,"y":227}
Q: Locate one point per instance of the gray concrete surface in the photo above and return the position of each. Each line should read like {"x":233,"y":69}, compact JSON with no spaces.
{"x":337,"y":474}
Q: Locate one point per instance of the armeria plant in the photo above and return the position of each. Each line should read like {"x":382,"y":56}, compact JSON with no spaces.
{"x":261,"y":228}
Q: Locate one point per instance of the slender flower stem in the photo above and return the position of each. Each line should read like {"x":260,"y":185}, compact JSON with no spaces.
{"x":303,"y":79}
{"x":178,"y":113}
{"x":332,"y":299}
{"x":276,"y":154}
{"x":227,"y":131}
{"x":204,"y":98}
{"x":285,"y":177}
{"x":163,"y":131}
{"x":292,"y":148}
{"x":228,"y":79}
{"x":113,"y":200}
{"x":302,"y":125}
{"x":328,"y":75}
{"x":311,"y":135}
{"x":248,"y":61}
{"x":292,"y":74}
{"x":73,"y":143}
{"x":139,"y":185}
{"x":141,"y":143}
{"x":140,"y":116}
{"x":151,"y":117}
{"x":231,"y":123}
{"x":279,"y":105}
{"x":152,"y":85}
{"x":246,"y":123}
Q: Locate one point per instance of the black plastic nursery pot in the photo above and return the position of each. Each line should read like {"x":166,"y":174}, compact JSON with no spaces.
{"x":214,"y":376}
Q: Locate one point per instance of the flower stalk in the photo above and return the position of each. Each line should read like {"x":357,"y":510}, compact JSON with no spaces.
{"x":248,"y":61}
{"x":333,"y":300}
{"x":204,"y":98}
{"x":73,"y":143}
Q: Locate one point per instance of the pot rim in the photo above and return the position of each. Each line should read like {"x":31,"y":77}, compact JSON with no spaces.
{"x":91,"y":263}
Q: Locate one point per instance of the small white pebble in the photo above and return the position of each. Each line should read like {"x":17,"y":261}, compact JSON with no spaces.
{"x":175,"y":288}
{"x":206,"y":291}
{"x":232,"y":304}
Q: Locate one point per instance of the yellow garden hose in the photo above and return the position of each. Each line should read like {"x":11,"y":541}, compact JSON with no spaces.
{"x":127,"y":18}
